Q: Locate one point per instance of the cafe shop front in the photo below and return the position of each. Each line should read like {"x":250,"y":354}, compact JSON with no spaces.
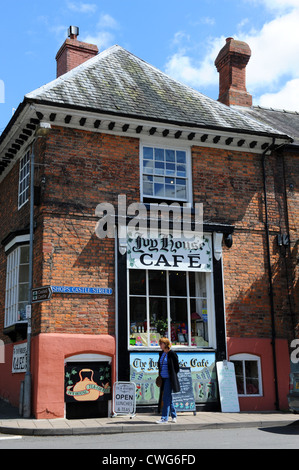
{"x":171,"y":287}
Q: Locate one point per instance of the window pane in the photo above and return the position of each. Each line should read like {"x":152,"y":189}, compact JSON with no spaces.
{"x":137,"y":282}
{"x":138,"y":324}
{"x":159,"y":154}
{"x":179,"y":321}
{"x":24,"y":273}
{"x":159,"y":189}
{"x":148,"y":167}
{"x":157,"y":282}
{"x":23,"y":292}
{"x":148,"y":153}
{"x":199,"y":322}
{"x":239,"y":376}
{"x":170,"y":155}
{"x":251,"y":369}
{"x":181,"y":156}
{"x":158,"y":316}
{"x":177,"y":283}
{"x":197,"y":284}
{"x":252,"y":386}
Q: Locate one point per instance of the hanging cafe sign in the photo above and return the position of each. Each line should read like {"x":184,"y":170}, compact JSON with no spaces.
{"x":170,"y":253}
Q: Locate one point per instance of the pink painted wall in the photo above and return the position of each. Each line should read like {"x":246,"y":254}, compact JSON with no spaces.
{"x":263,"y":349}
{"x":49,"y":352}
{"x":10,"y":384}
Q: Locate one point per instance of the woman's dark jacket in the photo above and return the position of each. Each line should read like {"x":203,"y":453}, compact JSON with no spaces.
{"x":173,"y":369}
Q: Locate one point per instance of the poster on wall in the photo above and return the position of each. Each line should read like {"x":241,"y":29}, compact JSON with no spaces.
{"x":144,"y":371}
{"x":19,"y":358}
{"x":87,"y":382}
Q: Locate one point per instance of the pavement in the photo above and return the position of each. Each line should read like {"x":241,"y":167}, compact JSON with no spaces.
{"x":12,"y":423}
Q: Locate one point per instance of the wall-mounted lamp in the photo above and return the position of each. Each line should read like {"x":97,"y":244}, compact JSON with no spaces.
{"x":228,"y":240}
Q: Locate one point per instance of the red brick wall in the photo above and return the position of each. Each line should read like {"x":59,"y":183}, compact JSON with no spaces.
{"x":82,"y":169}
{"x":230,"y":184}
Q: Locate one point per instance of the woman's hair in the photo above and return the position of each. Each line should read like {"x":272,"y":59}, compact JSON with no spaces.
{"x":166,"y":342}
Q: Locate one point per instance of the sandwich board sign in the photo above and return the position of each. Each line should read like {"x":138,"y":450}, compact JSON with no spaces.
{"x":124,"y":398}
{"x":227,"y":387}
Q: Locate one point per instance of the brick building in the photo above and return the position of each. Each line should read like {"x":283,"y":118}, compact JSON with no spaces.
{"x":122,"y":132}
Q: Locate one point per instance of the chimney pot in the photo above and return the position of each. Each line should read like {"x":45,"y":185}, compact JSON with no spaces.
{"x":73,"y":32}
{"x":231,"y":64}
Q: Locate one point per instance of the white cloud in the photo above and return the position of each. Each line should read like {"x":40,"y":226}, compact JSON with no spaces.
{"x":274,"y":51}
{"x":277,"y":5}
{"x":287,"y":98}
{"x":82,"y":7}
{"x":196,"y":73}
{"x":107,"y":21}
{"x":102,"y":39}
{"x":273,"y":70}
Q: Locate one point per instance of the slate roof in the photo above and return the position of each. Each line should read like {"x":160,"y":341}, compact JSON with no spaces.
{"x":286,"y":121}
{"x":118,"y":82}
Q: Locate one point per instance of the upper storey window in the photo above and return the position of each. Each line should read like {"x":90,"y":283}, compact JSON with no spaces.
{"x":24,"y":176}
{"x":165,"y":173}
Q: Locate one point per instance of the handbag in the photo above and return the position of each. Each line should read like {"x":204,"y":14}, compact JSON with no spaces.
{"x":159,"y":381}
{"x":159,"y":378}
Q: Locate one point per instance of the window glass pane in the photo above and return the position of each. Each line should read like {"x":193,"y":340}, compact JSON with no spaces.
{"x":251,"y":369}
{"x":159,"y":190}
{"x":197,"y":284}
{"x":159,"y":154}
{"x":23,"y":292}
{"x":22,"y":311}
{"x":239,"y":376}
{"x":179,"y":321}
{"x":148,"y":153}
{"x":158,"y":316}
{"x":252,"y":386}
{"x":181,"y":156}
{"x":177,"y":283}
{"x":137,"y":281}
{"x":181,"y":170}
{"x":157,"y":282}
{"x":181,"y":192}
{"x":199,"y":322}
{"x":24,"y":273}
{"x":170,"y":155}
{"x":138,"y":324}
{"x":170,"y":169}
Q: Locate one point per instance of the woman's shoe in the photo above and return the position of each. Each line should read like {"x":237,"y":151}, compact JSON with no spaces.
{"x":162,"y":421}
{"x":173,"y":420}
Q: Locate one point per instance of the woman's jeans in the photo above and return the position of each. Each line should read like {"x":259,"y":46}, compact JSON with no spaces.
{"x":167,"y":401}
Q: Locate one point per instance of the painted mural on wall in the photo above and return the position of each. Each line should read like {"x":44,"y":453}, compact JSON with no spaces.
{"x":144,"y":371}
{"x":87,"y":382}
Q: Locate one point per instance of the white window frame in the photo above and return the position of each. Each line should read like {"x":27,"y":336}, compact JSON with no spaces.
{"x":24,"y":179}
{"x":159,"y":143}
{"x":243,"y":357}
{"x":12,"y":288}
{"x":210,"y":308}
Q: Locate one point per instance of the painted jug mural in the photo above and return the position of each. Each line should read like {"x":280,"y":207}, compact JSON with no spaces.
{"x":89,"y":383}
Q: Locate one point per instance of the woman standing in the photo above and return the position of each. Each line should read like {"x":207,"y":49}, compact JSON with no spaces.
{"x":168,"y":369}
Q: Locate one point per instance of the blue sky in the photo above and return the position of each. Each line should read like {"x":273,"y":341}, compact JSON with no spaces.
{"x":180,"y":37}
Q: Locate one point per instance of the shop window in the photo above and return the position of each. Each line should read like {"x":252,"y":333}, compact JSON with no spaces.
{"x":165,"y":174}
{"x":17,"y":284}
{"x":172,"y":304}
{"x":248,"y":374}
{"x":24,"y":174}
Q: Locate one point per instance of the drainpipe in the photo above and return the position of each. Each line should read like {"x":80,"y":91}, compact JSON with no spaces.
{"x":270,"y":278}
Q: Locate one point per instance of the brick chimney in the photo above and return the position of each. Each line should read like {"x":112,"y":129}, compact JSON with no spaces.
{"x":73,"y":52}
{"x":231,"y":64}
